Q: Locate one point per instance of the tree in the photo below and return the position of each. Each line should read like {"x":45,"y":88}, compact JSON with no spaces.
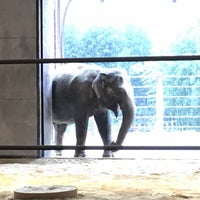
{"x":72,"y":40}
{"x":135,"y":42}
{"x":187,"y":42}
{"x":106,"y":42}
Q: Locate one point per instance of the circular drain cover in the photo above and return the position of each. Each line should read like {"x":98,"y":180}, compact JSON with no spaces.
{"x":51,"y":192}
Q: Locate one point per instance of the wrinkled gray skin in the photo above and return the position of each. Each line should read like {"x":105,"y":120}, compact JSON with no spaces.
{"x":91,"y":92}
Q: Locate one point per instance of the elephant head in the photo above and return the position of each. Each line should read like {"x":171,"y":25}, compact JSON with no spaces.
{"x":112,"y":90}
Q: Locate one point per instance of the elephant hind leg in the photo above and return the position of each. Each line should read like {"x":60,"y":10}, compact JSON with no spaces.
{"x":59,"y":133}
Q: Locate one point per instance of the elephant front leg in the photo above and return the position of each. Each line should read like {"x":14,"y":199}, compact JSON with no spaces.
{"x":103,"y":123}
{"x":81,"y":132}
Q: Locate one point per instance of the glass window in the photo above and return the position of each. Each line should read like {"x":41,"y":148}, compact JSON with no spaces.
{"x":123,"y":27}
{"x":166,"y":93}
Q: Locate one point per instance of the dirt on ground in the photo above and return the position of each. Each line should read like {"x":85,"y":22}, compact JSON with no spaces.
{"x":134,"y":179}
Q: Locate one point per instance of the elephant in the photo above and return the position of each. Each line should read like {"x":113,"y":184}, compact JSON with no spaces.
{"x":90,"y":90}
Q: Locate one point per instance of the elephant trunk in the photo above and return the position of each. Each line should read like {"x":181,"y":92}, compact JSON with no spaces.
{"x":127,"y":108}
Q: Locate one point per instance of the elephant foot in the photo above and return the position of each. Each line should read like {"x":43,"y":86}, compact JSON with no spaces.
{"x":58,"y":153}
{"x":108,"y":154}
{"x":80,"y":154}
{"x":114,"y":144}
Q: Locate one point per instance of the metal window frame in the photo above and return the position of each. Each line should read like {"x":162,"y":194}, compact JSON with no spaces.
{"x":96,"y":60}
{"x":100,"y":59}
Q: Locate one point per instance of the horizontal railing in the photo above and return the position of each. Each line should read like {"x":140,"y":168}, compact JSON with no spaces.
{"x":100,"y":59}
{"x":108,"y":147}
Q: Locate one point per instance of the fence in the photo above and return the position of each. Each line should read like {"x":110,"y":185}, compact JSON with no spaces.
{"x":168,"y":108}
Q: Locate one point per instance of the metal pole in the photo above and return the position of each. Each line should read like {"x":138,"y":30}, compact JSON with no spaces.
{"x":108,"y":147}
{"x":100,"y":59}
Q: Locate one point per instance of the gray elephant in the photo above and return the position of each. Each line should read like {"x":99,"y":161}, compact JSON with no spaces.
{"x":91,"y":91}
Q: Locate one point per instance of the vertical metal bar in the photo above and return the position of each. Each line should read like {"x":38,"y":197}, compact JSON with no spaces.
{"x":39,"y":75}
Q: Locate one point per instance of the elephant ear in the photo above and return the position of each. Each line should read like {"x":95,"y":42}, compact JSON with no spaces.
{"x":98,"y":84}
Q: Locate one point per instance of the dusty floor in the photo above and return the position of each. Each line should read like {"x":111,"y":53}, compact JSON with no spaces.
{"x":134,"y":179}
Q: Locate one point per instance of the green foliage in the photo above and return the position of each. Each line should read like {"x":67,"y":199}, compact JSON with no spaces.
{"x":135,"y":42}
{"x":187,"y":42}
{"x":71,"y":42}
{"x":106,"y":42}
{"x":98,"y":42}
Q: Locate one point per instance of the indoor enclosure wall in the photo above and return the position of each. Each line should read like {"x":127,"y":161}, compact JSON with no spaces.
{"x":18,"y":91}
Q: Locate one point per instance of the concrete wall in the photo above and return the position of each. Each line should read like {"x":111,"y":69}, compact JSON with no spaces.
{"x":18,"y":91}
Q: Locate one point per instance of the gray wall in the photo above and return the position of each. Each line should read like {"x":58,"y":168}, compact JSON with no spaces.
{"x":18,"y":91}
